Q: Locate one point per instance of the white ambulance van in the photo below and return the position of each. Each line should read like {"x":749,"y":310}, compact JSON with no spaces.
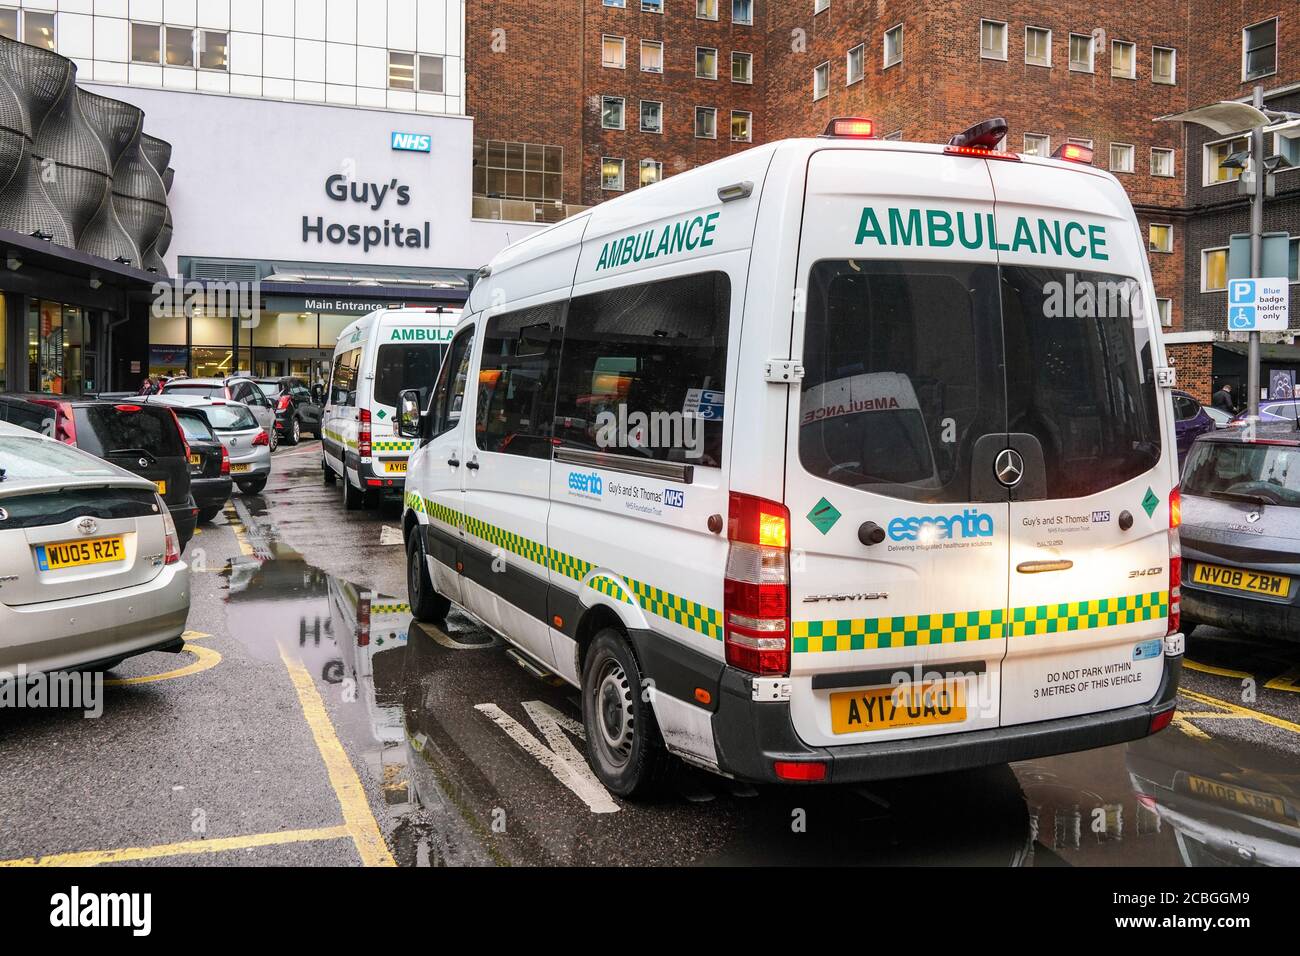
{"x":833,"y":460}
{"x":375,"y":358}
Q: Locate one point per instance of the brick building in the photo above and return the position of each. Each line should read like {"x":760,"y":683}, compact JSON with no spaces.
{"x":652,"y":87}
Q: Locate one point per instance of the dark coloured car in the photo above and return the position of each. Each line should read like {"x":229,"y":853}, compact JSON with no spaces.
{"x":210,"y":481}
{"x":1191,"y":420}
{"x":296,"y":411}
{"x":144,"y":439}
{"x":1241,"y":524}
{"x":26,"y":414}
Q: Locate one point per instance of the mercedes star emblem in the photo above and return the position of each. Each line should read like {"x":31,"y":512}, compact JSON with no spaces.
{"x":1009,"y":467}
{"x":87,"y":525}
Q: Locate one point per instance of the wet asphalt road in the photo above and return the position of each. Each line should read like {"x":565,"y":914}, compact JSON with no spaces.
{"x":312,"y":722}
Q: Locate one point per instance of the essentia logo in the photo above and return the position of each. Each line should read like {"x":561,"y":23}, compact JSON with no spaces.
{"x":586,"y":484}
{"x":412,"y":142}
{"x":969,"y":524}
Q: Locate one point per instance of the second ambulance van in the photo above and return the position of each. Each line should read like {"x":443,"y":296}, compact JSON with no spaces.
{"x":836,"y":459}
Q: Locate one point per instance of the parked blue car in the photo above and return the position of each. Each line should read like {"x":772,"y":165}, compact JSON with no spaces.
{"x":1191,"y":420}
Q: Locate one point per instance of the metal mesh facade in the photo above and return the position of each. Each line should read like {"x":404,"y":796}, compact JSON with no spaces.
{"x":77,"y":167}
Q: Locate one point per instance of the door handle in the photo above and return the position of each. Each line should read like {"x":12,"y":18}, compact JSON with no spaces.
{"x":453,"y":462}
{"x":1039,"y":567}
{"x":472,"y":464}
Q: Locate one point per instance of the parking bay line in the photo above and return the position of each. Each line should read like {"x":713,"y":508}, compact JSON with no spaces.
{"x":185,"y":848}
{"x":206,"y":658}
{"x":1259,"y":715}
{"x":358,"y":820}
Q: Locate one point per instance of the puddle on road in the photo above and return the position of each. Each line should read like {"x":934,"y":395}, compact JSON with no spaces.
{"x":402,"y":697}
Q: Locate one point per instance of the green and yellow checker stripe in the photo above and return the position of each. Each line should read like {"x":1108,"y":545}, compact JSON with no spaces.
{"x":812,"y":637}
{"x":388,"y":444}
{"x":610,"y":588}
{"x":390,"y":609}
{"x":338,"y":438}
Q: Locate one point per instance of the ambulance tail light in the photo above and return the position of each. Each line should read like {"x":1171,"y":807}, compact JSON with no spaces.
{"x":1074,"y":152}
{"x":850,"y":127}
{"x":363,"y":622}
{"x":756,"y":593}
{"x":803,"y":771}
{"x":1175,"y":561}
{"x":363,"y":434}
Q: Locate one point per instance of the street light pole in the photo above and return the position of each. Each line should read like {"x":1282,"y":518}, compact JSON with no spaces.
{"x":1256,"y":254}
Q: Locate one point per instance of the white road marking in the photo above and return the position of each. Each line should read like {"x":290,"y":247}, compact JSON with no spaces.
{"x":390,"y":535}
{"x":561,"y":758}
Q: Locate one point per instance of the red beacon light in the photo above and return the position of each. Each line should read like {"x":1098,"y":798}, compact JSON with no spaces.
{"x":850,"y":127}
{"x":1074,"y":152}
{"x":981,"y":141}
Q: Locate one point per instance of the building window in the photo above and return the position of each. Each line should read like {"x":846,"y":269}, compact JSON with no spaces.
{"x":1162,"y":161}
{"x":403,"y":75}
{"x":1164,"y":65}
{"x":180,"y":46}
{"x":894,"y":46}
{"x":401,"y":71}
{"x":993,"y":40}
{"x":652,"y":172}
{"x":742,"y":12}
{"x":855,"y":64}
{"x":1216,"y":154}
{"x":38,"y":29}
{"x":1123,"y":59}
{"x":652,"y":6}
{"x":1038,"y":144}
{"x":742,"y":126}
{"x":1121,"y":158}
{"x":611,"y":174}
{"x":8,"y":28}
{"x":1293,"y":261}
{"x":1038,"y":46}
{"x":1214,"y":270}
{"x":1081,"y":52}
{"x":1165,"y":310}
{"x":615,"y":3}
{"x":742,"y":68}
{"x":613,"y":52}
{"x":820,"y":5}
{"x":706,"y":122}
{"x":1258,"y":50}
{"x":821,"y":80}
{"x":706,"y":9}
{"x":518,"y":170}
{"x":1160,"y":237}
{"x":652,"y":116}
{"x":652,"y":56}
{"x":611,"y":112}
{"x":706,"y":63}
{"x":896,"y":136}
{"x":212,"y":53}
{"x":1080,"y":142}
{"x":146,"y":43}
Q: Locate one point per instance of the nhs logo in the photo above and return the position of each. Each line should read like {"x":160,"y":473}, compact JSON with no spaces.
{"x":674,"y":497}
{"x":412,"y":142}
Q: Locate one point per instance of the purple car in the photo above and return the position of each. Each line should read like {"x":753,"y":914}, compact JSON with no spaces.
{"x":1190,"y":421}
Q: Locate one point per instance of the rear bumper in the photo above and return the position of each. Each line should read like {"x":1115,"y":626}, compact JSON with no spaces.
{"x":1233,"y":613}
{"x":60,"y":635}
{"x":751,"y":736}
{"x":210,"y":492}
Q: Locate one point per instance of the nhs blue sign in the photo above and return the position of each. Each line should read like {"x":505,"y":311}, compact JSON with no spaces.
{"x":412,"y":142}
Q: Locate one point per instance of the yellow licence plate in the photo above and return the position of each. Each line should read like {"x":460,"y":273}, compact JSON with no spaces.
{"x":1274,"y":585}
{"x":239,"y":469}
{"x":907,"y":705}
{"x":395,"y":467}
{"x":162,"y":487}
{"x":70,"y":554}
{"x":196,"y":459}
{"x":1251,"y":801}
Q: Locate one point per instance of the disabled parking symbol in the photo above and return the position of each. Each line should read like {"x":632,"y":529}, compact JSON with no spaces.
{"x":1241,"y":318}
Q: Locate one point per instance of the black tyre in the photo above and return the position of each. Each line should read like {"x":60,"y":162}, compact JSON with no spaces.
{"x":623,"y":743}
{"x":253,"y":487}
{"x":327,"y":472}
{"x":427,"y":605}
{"x":353,"y":498}
{"x":275,"y":438}
{"x":207,"y":514}
{"x":293,"y":434}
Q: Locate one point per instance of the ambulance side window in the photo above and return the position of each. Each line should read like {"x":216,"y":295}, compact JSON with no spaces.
{"x":343,"y":384}
{"x":643,"y":370}
{"x":449,"y":392}
{"x":516,"y":384}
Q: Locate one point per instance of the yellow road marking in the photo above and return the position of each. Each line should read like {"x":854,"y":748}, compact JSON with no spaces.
{"x":1218,"y":715}
{"x":358,"y":819}
{"x":1218,"y":671}
{"x":1290,"y":681}
{"x":1244,"y":711}
{"x":188,"y":847}
{"x":1189,"y":729}
{"x":205,"y":658}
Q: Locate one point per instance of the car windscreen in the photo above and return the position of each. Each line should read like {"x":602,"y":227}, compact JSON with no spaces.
{"x":1244,"y":471}
{"x":269,"y":388}
{"x":194,"y":425}
{"x":405,"y":366}
{"x":108,"y":430}
{"x":229,"y":418}
{"x":38,"y":458}
{"x":195,"y":389}
{"x":29,"y":415}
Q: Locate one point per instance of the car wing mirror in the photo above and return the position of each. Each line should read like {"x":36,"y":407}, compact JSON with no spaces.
{"x":408,"y":413}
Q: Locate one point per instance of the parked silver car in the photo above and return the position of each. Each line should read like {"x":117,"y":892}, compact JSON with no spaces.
{"x":247,"y":442}
{"x":1240,"y":532}
{"x":234,"y":388}
{"x":90,"y":562}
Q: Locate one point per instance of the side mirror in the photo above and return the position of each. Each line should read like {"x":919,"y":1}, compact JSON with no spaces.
{"x":408,"y":413}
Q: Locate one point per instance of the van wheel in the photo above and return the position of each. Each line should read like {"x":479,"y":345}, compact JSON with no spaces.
{"x":427,"y":605}
{"x":352,"y":497}
{"x":327,"y":471}
{"x":623,"y":743}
